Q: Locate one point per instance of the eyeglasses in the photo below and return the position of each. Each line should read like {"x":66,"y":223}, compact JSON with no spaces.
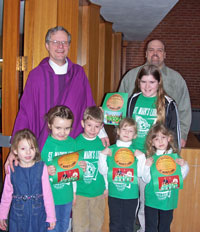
{"x":56,"y":43}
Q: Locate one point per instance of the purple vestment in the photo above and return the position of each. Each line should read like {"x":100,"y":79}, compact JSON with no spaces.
{"x":44,"y":90}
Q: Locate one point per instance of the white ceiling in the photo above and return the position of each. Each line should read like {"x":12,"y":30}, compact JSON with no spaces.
{"x":134,"y":18}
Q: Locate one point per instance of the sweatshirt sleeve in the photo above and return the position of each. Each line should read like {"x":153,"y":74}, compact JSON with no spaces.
{"x":173,"y":123}
{"x":48,"y":197}
{"x":140,"y":165}
{"x":103,"y":167}
{"x":146,"y":175}
{"x":6,"y":198}
{"x":184,"y":170}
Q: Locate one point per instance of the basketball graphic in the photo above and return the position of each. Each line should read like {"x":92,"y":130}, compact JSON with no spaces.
{"x":115,"y":102}
{"x":68,"y":161}
{"x":166,"y":165}
{"x":124,"y":157}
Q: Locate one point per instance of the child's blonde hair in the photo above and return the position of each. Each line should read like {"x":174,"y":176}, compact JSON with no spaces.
{"x":31,"y":139}
{"x":155,"y":129}
{"x":160,"y":103}
{"x":93,"y":113}
{"x":59,"y":111}
{"x":127,"y":122}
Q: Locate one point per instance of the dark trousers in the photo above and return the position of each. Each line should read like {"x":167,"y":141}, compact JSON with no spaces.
{"x":157,"y":220}
{"x":122,"y":214}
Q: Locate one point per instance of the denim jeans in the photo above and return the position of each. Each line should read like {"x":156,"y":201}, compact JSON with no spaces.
{"x":63,"y":213}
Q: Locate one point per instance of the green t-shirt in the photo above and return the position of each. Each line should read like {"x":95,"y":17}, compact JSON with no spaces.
{"x":122,"y":173}
{"x":62,"y":192}
{"x":93,"y":183}
{"x":145,"y":114}
{"x":166,"y":180}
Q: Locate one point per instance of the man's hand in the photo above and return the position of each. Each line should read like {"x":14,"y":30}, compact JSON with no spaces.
{"x":9,"y":162}
{"x":51,"y":170}
{"x":183,"y":143}
{"x":105,"y":141}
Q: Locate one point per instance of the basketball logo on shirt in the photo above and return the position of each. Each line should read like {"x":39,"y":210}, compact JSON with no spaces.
{"x":166,"y":165}
{"x":124,"y":157}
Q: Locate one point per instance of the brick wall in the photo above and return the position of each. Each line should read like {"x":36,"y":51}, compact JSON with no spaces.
{"x":180,"y":31}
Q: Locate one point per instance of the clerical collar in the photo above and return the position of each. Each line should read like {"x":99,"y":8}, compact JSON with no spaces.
{"x":59,"y":70}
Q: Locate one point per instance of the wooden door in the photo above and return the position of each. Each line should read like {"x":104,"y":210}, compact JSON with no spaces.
{"x":11,"y":36}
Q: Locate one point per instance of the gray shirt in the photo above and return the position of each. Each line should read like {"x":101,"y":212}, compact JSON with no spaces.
{"x":174,"y":85}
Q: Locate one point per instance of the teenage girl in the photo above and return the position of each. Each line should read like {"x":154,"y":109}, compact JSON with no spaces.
{"x":164,"y":173}
{"x":27,"y":192}
{"x":121,"y":171}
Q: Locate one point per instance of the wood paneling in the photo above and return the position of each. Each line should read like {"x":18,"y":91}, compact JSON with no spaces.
{"x":39,"y":17}
{"x":101,"y":66}
{"x":9,"y":74}
{"x":116,"y":60}
{"x":107,"y":58}
{"x":89,"y":44}
{"x":68,"y":18}
{"x":186,"y":216}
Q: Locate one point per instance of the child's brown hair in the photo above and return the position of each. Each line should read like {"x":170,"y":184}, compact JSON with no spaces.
{"x":127,"y":122}
{"x":155,"y":129}
{"x":93,"y":113}
{"x":59,"y":111}
{"x":31,"y":139}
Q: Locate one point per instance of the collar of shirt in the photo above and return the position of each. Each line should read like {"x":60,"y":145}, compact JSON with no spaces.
{"x":59,"y":70}
{"x":162,"y":152}
{"x":164,"y":69}
{"x":120,"y":143}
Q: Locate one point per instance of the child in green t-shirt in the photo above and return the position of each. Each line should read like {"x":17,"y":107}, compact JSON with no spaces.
{"x":88,"y":212}
{"x":121,"y":170}
{"x":164,"y":172}
{"x":58,"y":143}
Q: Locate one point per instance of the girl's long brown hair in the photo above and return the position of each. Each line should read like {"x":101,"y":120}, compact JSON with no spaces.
{"x":155,"y":129}
{"x":160,"y":103}
{"x":30,"y":137}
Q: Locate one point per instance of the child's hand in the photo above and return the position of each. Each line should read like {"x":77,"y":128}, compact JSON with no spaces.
{"x":83,"y":165}
{"x":74,"y":200}
{"x":51,"y":170}
{"x":51,"y":225}
{"x":107,"y":151}
{"x":105,"y":194}
{"x":138,"y":153}
{"x":3,"y":224}
{"x":180,"y":161}
{"x":149,"y":162}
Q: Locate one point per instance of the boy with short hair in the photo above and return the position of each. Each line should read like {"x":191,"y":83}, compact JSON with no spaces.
{"x":88,"y":212}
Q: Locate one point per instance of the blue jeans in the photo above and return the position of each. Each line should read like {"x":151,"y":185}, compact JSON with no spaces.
{"x":63,"y":213}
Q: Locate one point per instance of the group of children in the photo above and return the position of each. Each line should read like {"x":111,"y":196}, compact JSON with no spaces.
{"x":37,"y":204}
